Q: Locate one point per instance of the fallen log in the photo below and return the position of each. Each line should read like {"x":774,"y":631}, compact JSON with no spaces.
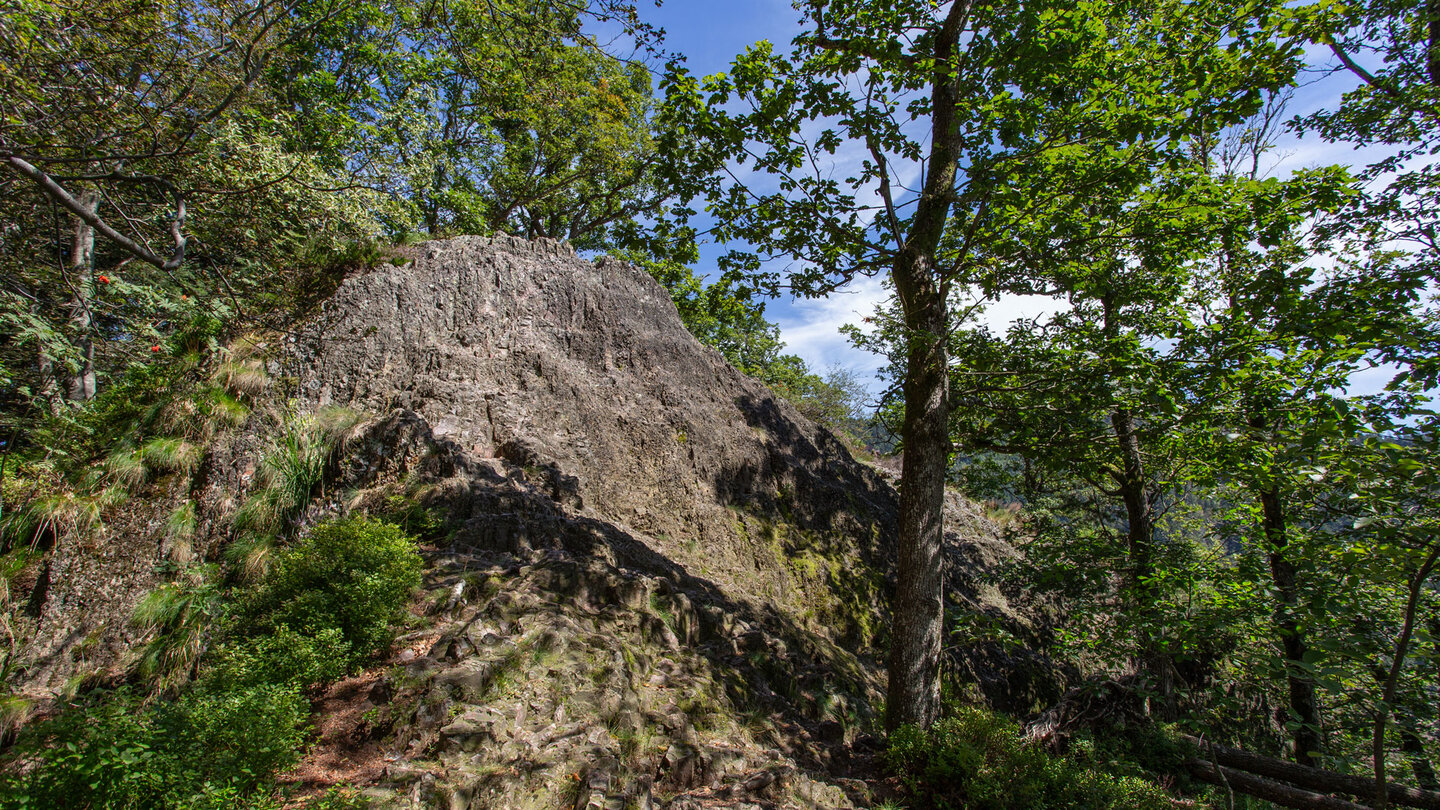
{"x":1268,"y":789}
{"x":1314,"y":779}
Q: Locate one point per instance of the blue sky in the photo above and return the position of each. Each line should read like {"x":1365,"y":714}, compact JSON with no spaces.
{"x":710,"y":34}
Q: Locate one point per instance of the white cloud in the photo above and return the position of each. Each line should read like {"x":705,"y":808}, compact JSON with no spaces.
{"x":811,"y":327}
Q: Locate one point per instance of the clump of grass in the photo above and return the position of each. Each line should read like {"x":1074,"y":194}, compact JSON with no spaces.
{"x":243,"y":377}
{"x":125,"y":466}
{"x":62,"y":514}
{"x":290,"y":471}
{"x":171,"y":454}
{"x":176,"y":618}
{"x":180,"y":528}
{"x":222,"y":408}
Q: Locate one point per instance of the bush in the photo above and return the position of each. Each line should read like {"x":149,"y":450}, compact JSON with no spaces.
{"x":282,"y":657}
{"x":102,"y":754}
{"x":352,"y":576}
{"x":238,"y":737}
{"x":979,"y":761}
{"x":113,"y":751}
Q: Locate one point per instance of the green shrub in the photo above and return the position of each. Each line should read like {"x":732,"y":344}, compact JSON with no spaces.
{"x":351,"y":575}
{"x":237,"y":736}
{"x":979,"y":761}
{"x":102,"y":754}
{"x":283,"y":657}
{"x":207,"y":750}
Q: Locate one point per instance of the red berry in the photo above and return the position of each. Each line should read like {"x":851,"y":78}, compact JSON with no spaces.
{"x":154,"y":348}
{"x":104,"y":279}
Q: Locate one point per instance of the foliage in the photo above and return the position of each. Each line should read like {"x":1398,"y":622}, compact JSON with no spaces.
{"x":979,"y":760}
{"x":993,"y":135}
{"x":290,"y":470}
{"x":177,"y":617}
{"x":283,"y":656}
{"x":178,"y":170}
{"x":115,"y":751}
{"x":239,"y":714}
{"x":350,"y":576}
{"x":240,"y":736}
{"x":339,"y":798}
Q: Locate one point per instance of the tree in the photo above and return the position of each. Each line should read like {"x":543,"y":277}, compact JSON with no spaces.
{"x":178,"y":162}
{"x":483,"y":116}
{"x":950,"y":103}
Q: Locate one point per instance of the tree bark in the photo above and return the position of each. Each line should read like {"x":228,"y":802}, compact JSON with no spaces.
{"x":1397,"y":664}
{"x":1268,"y":789}
{"x":913,"y":696}
{"x":82,"y":283}
{"x":914,"y":667}
{"x":1140,"y":534}
{"x":1140,"y":537}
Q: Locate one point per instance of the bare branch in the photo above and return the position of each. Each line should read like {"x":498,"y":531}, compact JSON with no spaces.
{"x":91,"y":218}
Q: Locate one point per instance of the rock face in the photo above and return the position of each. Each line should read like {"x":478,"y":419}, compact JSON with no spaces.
{"x":652,"y":582}
{"x":582,"y":375}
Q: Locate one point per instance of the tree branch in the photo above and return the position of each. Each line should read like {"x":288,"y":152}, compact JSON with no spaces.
{"x":91,"y":218}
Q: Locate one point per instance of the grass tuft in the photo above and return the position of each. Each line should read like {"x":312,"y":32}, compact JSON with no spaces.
{"x":169,"y":454}
{"x":180,"y":534}
{"x":243,"y":378}
{"x":125,"y":466}
{"x":176,"y":617}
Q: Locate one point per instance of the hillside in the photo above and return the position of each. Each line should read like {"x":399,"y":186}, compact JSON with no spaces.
{"x":649,"y":581}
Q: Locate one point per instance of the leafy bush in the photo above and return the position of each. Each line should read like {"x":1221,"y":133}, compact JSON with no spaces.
{"x":236,"y":736}
{"x":979,"y":761}
{"x":207,"y":750}
{"x":101,"y":755}
{"x":351,"y":575}
{"x":283,"y":657}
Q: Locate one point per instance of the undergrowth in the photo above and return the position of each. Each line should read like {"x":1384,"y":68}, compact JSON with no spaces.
{"x":230,"y":676}
{"x":977,"y":760}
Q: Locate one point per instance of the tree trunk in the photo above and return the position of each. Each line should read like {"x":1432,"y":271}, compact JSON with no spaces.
{"x":82,"y":318}
{"x":913,"y":696}
{"x":1314,"y":779}
{"x":1140,"y":534}
{"x":1140,"y":537}
{"x":1304,"y":703}
{"x":1397,"y":664}
{"x":914,"y":666}
{"x":1280,"y":793}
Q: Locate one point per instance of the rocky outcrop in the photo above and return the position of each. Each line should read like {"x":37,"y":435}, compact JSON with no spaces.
{"x":582,"y":376}
{"x":652,"y":582}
